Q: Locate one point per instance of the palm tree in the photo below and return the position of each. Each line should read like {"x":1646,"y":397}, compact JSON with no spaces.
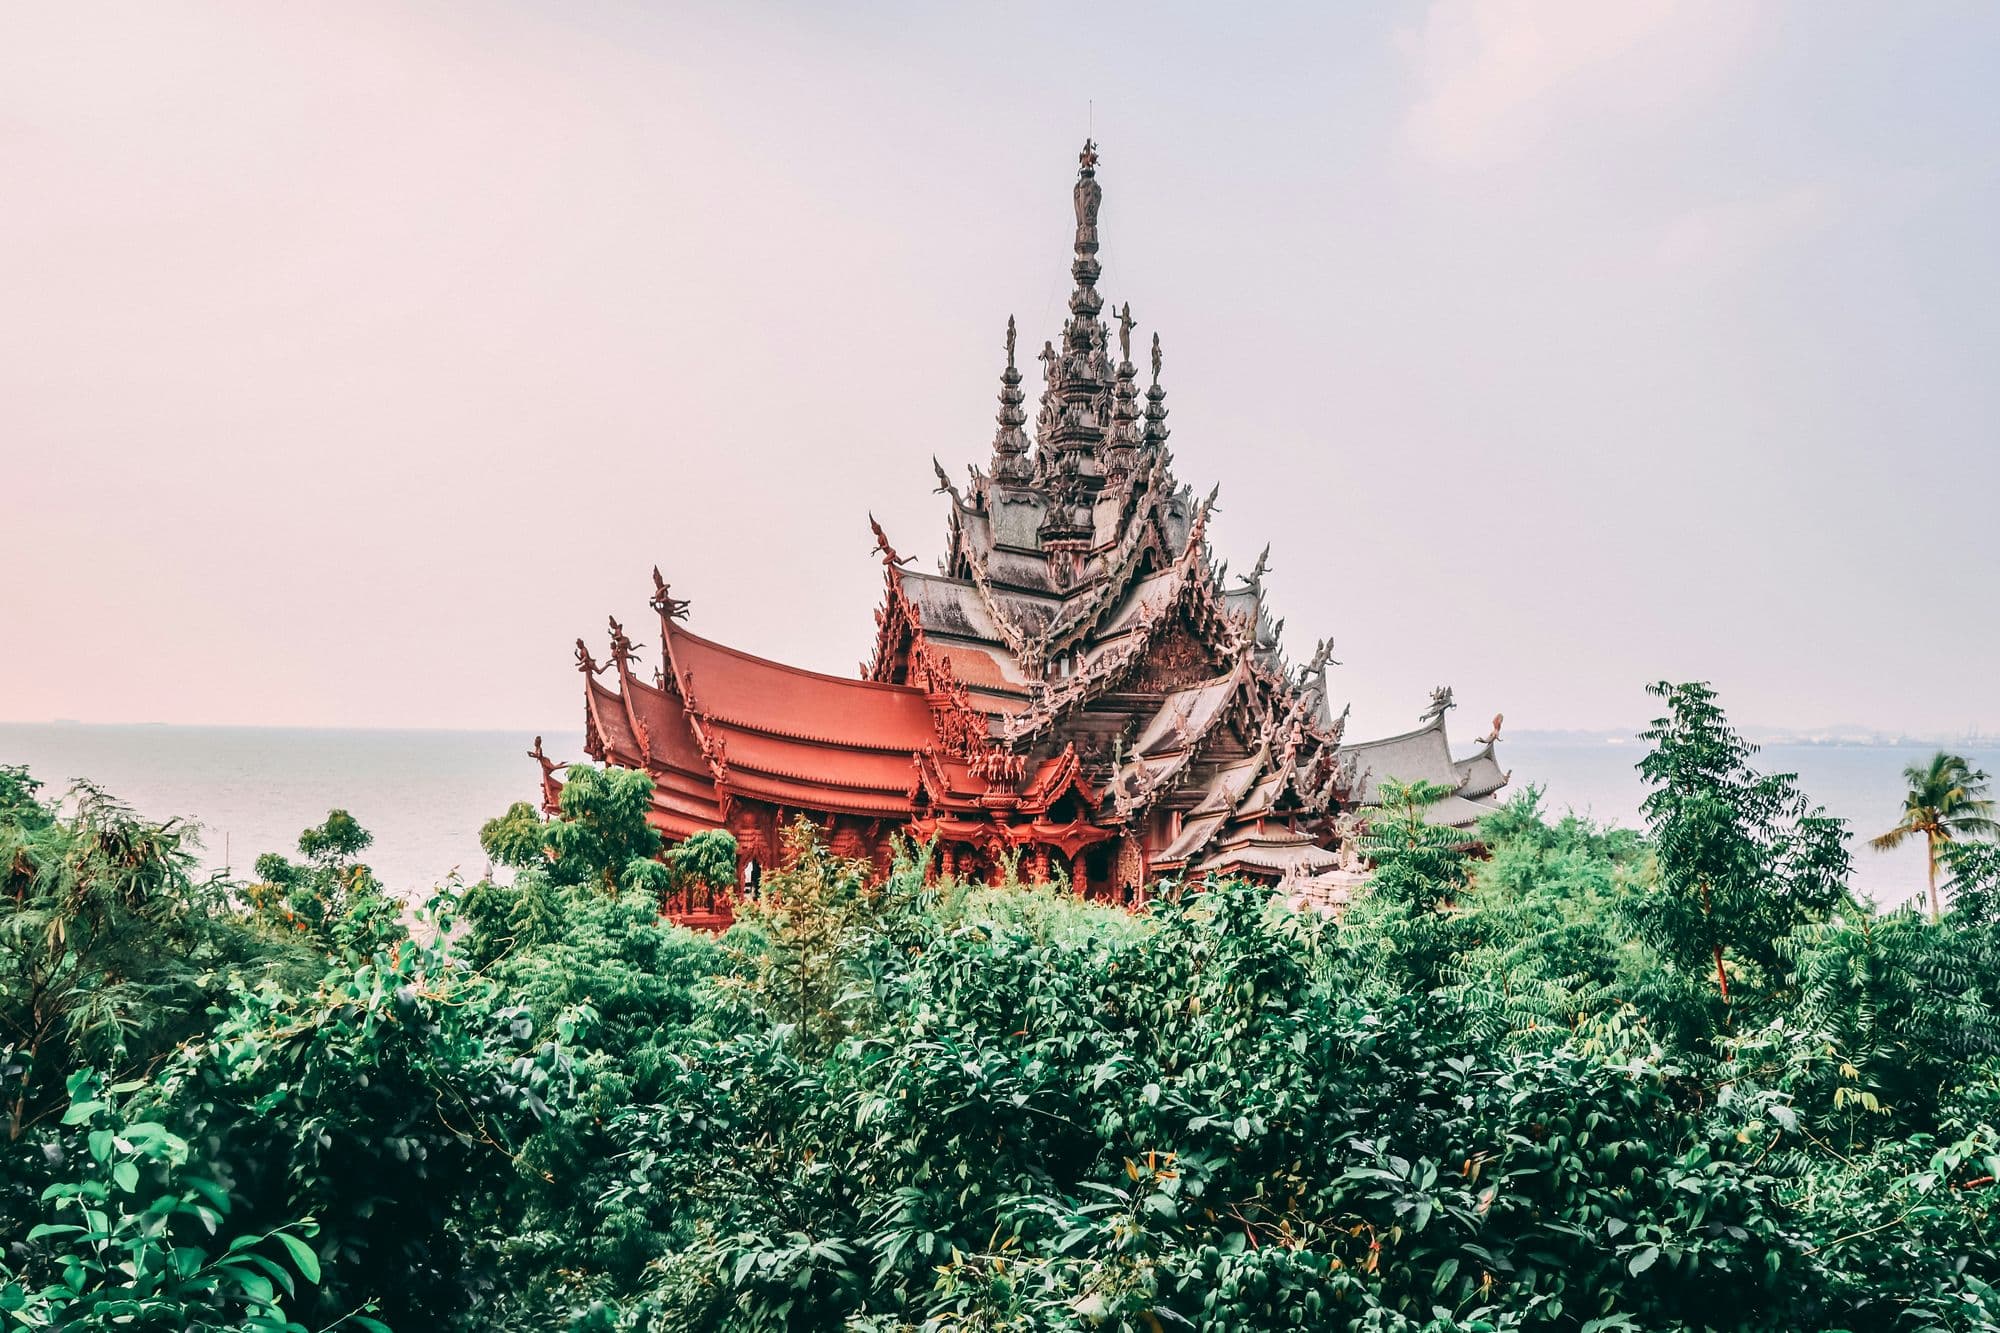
{"x":1947,"y":802}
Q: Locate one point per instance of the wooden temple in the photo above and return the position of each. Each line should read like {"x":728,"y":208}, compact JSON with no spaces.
{"x":1079,"y":687}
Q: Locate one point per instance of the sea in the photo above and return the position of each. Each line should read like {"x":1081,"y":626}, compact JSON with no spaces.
{"x":424,"y":794}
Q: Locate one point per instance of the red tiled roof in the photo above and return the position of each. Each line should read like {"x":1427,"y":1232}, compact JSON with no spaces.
{"x":760,"y":695}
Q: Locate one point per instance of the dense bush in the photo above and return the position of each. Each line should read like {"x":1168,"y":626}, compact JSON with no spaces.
{"x":1552,"y":1077}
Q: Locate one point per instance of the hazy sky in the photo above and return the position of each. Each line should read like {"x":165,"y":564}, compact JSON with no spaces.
{"x":356,"y":358}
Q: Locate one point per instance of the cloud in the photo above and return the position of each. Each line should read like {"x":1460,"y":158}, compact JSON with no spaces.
{"x":1496,"y":78}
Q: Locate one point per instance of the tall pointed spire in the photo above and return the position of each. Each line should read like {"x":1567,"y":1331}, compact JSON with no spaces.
{"x":1156,"y":405}
{"x":1076,"y":401}
{"x":1084,"y":302}
{"x":1010,"y":443}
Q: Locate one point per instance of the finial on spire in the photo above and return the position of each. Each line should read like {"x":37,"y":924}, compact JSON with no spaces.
{"x":1010,"y":444}
{"x":1087,"y":159}
{"x":1125,"y":332}
{"x":1156,"y":405}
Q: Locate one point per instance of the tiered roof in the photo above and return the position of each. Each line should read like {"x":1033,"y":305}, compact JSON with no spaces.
{"x":1078,"y":604}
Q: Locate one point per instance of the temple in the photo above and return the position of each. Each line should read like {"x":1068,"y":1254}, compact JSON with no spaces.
{"x":1080,"y":687}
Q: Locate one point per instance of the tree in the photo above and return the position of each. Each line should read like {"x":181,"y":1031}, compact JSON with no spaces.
{"x":1420,"y":871}
{"x":1947,"y":802}
{"x":706,"y":860}
{"x":599,"y":835}
{"x":332,"y":900}
{"x":1743,"y":857}
{"x":110,"y":947}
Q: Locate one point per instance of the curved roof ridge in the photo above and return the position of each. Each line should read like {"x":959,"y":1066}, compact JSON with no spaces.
{"x":850,"y":681}
{"x":1434,"y":724}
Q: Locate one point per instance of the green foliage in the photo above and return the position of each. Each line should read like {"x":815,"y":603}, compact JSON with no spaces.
{"x":1421,"y":869}
{"x":707,"y":860}
{"x":1946,"y":804}
{"x":332,"y":901}
{"x":1743,"y":857}
{"x":1503,"y":1092}
{"x":110,"y":947}
{"x":600,"y":836}
{"x":133,"y":1240}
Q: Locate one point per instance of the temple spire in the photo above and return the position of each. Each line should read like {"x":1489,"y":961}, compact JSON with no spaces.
{"x":1121,"y":447}
{"x":1084,"y":302}
{"x":1010,"y":443}
{"x":1156,"y":405}
{"x":1076,"y":400}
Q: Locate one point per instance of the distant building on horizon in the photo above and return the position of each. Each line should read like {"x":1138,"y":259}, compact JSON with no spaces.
{"x":1080,"y":687}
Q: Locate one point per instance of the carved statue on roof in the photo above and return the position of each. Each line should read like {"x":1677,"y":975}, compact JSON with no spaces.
{"x":1089,"y":195}
{"x":1125,"y":332}
{"x":1156,"y":360}
{"x":551,"y":789}
{"x":1254,"y":580}
{"x":1441,"y":701}
{"x":945,"y":486}
{"x":621,"y":645}
{"x":1494,"y":734}
{"x":585,"y":662}
{"x":1010,"y":342}
{"x":663,"y":600}
{"x":888,"y":552}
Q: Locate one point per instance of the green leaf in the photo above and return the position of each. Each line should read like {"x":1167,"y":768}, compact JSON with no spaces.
{"x":1643,"y":1260}
{"x":126,"y":1176}
{"x":302,"y":1255}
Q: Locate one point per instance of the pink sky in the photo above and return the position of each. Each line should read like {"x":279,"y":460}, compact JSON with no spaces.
{"x":355,"y":359}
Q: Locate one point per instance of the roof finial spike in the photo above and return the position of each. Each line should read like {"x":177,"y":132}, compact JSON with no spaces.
{"x":664,"y":601}
{"x":1121,"y":446}
{"x":888,"y":552}
{"x":1011,"y":465}
{"x":1156,"y":405}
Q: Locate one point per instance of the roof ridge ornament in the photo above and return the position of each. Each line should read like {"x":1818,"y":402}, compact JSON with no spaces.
{"x":622,"y":651}
{"x":1010,"y":443}
{"x":1156,"y":405}
{"x":887,"y":552}
{"x":1121,"y":446}
{"x":1441,"y":702}
{"x":663,"y":600}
